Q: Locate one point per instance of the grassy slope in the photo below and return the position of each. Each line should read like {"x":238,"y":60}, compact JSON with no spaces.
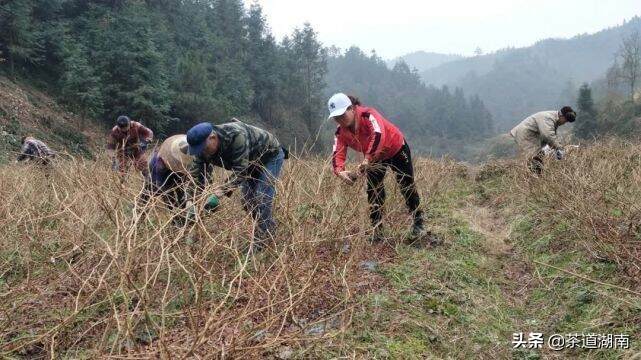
{"x":27,"y":111}
{"x":100,"y":284}
{"x":493,"y":277}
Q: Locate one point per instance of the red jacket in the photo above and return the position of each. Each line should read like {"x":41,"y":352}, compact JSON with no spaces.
{"x":376,"y":137}
{"x":129,"y":140}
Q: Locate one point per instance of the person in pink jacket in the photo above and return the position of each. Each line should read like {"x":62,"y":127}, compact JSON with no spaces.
{"x":382,"y":144}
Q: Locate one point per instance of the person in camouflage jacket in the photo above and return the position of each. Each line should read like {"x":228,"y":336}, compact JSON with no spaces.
{"x":255,"y":158}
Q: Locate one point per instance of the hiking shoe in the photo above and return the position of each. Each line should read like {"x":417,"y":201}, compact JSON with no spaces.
{"x":418,"y":234}
{"x":418,"y":226}
{"x":432,"y":239}
{"x":418,"y":238}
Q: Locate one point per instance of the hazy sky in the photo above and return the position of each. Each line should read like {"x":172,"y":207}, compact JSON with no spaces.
{"x":398,"y":27}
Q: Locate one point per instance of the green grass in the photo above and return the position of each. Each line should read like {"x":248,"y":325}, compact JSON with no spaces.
{"x":456,"y":300}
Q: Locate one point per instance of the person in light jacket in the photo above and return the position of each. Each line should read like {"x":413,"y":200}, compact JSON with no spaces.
{"x":538,"y":130}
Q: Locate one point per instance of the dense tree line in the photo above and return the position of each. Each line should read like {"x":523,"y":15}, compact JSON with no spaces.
{"x":162,"y":59}
{"x":514,"y":83}
{"x":436,"y":120}
{"x":172,"y":63}
{"x":614,"y":114}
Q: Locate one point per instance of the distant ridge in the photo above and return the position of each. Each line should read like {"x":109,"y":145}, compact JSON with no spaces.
{"x":423,"y":60}
{"x":514,"y":82}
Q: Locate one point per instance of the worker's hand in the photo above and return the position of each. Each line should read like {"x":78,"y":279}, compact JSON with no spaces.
{"x":363,"y":166}
{"x":219,"y":193}
{"x":560,"y":153}
{"x":191,"y":210}
{"x":348,"y":177}
{"x":143,"y":144}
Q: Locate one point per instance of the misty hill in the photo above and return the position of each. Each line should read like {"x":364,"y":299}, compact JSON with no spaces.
{"x":436,"y":121}
{"x":423,"y":60}
{"x":516,"y":82}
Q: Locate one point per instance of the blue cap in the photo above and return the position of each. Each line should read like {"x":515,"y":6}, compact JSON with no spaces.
{"x":197,"y":137}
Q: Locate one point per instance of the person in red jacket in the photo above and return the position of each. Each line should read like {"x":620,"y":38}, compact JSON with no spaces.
{"x":128,"y":140}
{"x":383,"y":145}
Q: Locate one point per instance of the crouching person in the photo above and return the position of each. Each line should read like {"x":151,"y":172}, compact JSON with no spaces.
{"x":255,"y":158}
{"x":127,"y":143}
{"x":35,"y":151}
{"x":168,"y":169}
{"x":538,"y":130}
{"x":383,"y":146}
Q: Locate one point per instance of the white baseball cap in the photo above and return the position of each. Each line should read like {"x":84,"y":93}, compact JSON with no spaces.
{"x":338,"y":104}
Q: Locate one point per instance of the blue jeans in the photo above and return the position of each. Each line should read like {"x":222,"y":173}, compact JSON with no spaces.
{"x":258,"y":193}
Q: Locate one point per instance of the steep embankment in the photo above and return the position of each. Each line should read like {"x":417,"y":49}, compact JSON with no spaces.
{"x":27,"y":111}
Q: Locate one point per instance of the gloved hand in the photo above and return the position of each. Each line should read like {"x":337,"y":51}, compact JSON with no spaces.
{"x":143,"y":145}
{"x":560,"y":154}
{"x":212,"y":203}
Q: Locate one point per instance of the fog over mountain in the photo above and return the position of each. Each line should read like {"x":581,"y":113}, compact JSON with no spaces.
{"x":516,"y":82}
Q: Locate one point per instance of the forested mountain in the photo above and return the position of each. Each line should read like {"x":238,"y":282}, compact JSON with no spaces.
{"x":173,"y":63}
{"x":423,"y":60}
{"x":516,"y":82}
{"x":160,"y":61}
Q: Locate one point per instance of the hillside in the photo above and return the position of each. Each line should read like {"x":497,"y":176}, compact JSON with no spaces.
{"x":83,"y":276}
{"x":423,"y":60}
{"x":516,"y":82}
{"x":27,"y":111}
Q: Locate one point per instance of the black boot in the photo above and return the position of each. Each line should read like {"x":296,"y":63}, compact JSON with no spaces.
{"x":417,"y":231}
{"x":377,"y":235}
{"x":418,"y":234}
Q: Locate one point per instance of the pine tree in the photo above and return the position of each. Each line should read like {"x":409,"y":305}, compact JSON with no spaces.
{"x":308,"y":63}
{"x":228,"y":68}
{"x":264,"y":65}
{"x":80,"y":85}
{"x":134,"y":75}
{"x":195,"y":98}
{"x":586,"y":125}
{"x":19,"y":37}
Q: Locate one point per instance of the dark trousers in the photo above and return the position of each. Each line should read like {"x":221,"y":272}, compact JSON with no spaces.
{"x":401,"y":164}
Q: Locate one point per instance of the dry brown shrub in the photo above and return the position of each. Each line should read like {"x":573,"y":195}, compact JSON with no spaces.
{"x":595,"y":194}
{"x":82,"y":273}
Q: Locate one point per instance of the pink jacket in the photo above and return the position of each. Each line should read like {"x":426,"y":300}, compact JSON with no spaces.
{"x":376,"y":137}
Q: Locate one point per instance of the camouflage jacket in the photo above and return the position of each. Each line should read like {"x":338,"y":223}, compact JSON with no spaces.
{"x":241,"y":148}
